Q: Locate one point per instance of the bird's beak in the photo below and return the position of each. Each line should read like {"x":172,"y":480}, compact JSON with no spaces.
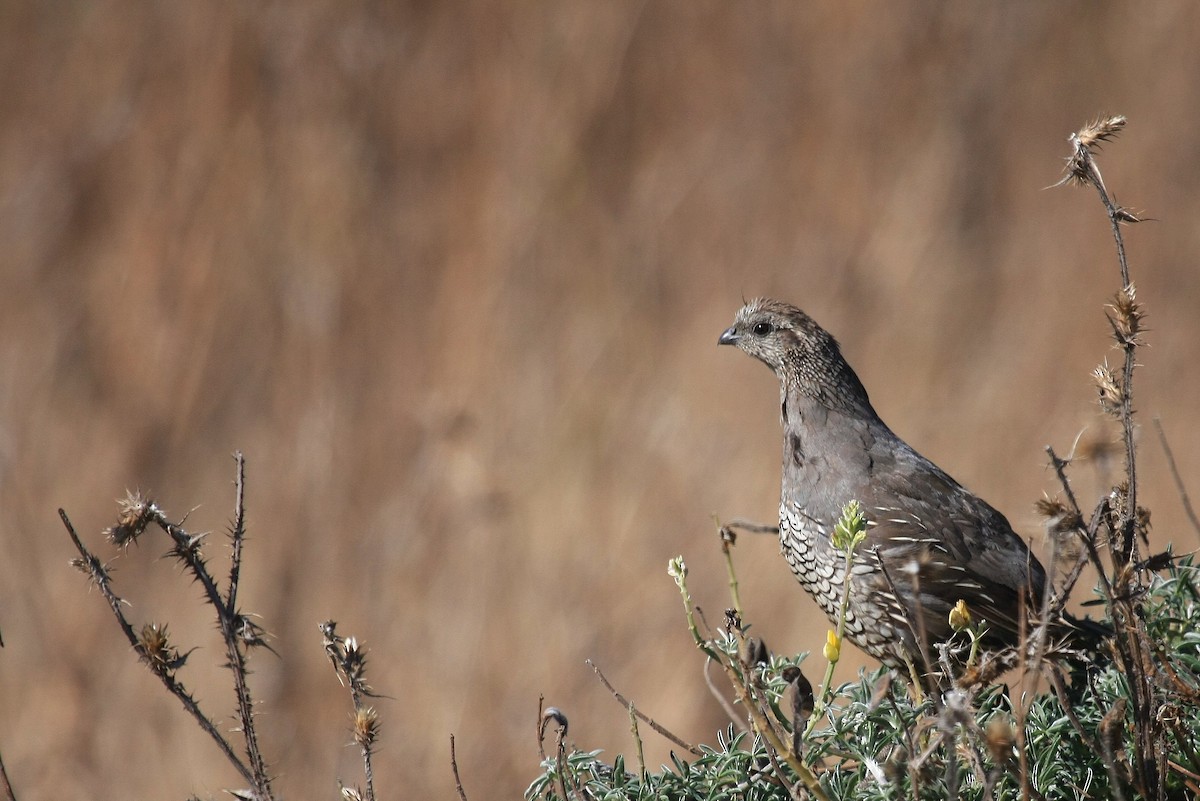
{"x":728,"y":337}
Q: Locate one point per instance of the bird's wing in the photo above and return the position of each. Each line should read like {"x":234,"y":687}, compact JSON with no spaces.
{"x":962,"y":550}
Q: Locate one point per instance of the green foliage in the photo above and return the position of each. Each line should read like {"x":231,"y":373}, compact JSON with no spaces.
{"x":876,"y":742}
{"x":851,"y":529}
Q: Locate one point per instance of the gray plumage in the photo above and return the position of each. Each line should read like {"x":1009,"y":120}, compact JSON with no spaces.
{"x":835,"y":448}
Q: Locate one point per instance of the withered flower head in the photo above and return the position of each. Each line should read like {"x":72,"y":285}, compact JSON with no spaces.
{"x":1086,"y":141}
{"x":755,"y":652}
{"x":1060,"y":519}
{"x":1050,"y":507}
{"x":1109,"y":386}
{"x":1126,"y":319}
{"x":157,"y":650}
{"x":366,"y":726}
{"x":133,"y":515}
{"x":797,"y":701}
{"x":1100,"y":130}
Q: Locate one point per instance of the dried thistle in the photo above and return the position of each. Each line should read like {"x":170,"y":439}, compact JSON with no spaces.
{"x":133,"y":515}
{"x":1126,"y":319}
{"x":349,"y":659}
{"x":1080,"y":168}
{"x":349,"y":793}
{"x":157,"y":650}
{"x":1119,"y":511}
{"x":1058,"y":515}
{"x":366,"y":726}
{"x":1109,"y":385}
{"x":1100,"y":130}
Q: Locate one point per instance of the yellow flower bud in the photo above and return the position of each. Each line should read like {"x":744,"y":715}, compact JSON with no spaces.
{"x":960,"y":616}
{"x":833,"y":646}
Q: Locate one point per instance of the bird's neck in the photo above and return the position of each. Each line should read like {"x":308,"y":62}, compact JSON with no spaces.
{"x":820,"y":377}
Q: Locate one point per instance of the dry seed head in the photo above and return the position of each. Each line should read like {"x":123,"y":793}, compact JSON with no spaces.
{"x":353,"y":657}
{"x":157,"y":650}
{"x":1118,"y":500}
{"x":554,"y":714}
{"x":154,"y":639}
{"x":755,"y":652}
{"x":1079,"y":164}
{"x":350,"y":793}
{"x":797,"y":702}
{"x":1126,"y":319}
{"x":366,"y":726}
{"x":1050,"y":507}
{"x":1109,"y":386}
{"x":133,"y":515}
{"x":1143,"y":521}
{"x":797,"y":699}
{"x":1060,"y":520}
{"x":1100,"y":130}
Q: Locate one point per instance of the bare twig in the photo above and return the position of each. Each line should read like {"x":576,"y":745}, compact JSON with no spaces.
{"x":738,"y":524}
{"x":1183,"y":493}
{"x":649,"y":721}
{"x":237,"y":532}
{"x":454,"y":766}
{"x":715,"y":692}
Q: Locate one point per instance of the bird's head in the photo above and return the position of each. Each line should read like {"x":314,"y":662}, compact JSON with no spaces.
{"x":804,"y":356}
{"x":773,"y":332}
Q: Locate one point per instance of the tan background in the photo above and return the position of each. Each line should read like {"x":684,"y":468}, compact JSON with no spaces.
{"x":452,"y":275}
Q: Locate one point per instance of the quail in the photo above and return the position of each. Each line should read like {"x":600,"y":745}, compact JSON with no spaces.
{"x":930,"y":543}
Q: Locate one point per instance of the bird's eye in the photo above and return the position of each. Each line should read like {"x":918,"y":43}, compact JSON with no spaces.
{"x":762,"y":329}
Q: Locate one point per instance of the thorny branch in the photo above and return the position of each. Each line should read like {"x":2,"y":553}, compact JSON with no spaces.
{"x":97,"y":571}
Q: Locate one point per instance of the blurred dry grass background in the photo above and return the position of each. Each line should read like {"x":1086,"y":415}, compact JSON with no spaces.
{"x":451,"y":275}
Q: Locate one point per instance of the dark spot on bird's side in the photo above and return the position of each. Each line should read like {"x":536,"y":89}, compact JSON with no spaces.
{"x":763,"y":329}
{"x":797,"y":451}
{"x":783,"y":412}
